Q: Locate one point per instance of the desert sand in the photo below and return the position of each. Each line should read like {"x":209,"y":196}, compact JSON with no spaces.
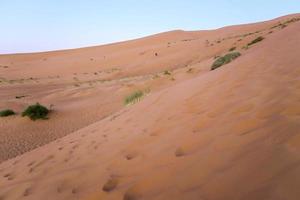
{"x":230,"y":133}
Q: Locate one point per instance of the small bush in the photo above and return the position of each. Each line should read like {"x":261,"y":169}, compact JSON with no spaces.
{"x":134,"y":97}
{"x":7,"y":112}
{"x":225,"y":60}
{"x":36,"y":111}
{"x":260,"y":38}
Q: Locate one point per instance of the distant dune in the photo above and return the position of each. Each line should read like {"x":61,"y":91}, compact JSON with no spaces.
{"x":186,"y":132}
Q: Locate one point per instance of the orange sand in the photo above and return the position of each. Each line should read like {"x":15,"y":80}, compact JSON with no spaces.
{"x":231,"y":133}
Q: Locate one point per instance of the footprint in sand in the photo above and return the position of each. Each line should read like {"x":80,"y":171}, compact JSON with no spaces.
{"x":31,"y":163}
{"x":110,"y":185}
{"x":27,"y":192}
{"x":130,"y":156}
{"x":59,"y":189}
{"x":74,"y":190}
{"x":156,"y":133}
{"x":30,"y":170}
{"x":15,"y":162}
{"x":179,"y":152}
{"x":130,"y":195}
{"x":9,"y":176}
{"x":48,"y":158}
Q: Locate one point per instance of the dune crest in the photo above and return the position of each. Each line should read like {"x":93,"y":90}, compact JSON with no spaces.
{"x":230,"y":133}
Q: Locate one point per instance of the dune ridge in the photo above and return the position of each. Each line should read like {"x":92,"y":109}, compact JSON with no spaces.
{"x":231,"y":133}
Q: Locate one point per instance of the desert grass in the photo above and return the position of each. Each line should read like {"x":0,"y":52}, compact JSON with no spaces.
{"x":135,"y":97}
{"x":6,"y":113}
{"x":256,"y":40}
{"x":225,"y":60}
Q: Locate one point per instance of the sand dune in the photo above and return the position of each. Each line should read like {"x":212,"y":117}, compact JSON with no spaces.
{"x":231,"y":133}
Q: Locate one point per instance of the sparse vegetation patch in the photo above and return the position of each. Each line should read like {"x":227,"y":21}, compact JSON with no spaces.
{"x":135,"y":97}
{"x":259,"y":39}
{"x":284,"y":24}
{"x":36,"y":111}
{"x":225,"y":60}
{"x":6,"y":113}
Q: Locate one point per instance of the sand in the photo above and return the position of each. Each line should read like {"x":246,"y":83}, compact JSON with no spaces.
{"x":231,"y":133}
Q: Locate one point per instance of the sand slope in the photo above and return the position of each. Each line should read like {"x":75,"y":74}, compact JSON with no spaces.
{"x":231,"y":133}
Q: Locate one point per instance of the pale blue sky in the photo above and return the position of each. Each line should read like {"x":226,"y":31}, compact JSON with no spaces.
{"x":40,"y":25}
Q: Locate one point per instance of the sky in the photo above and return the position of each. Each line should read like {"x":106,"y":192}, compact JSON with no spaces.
{"x":44,"y":25}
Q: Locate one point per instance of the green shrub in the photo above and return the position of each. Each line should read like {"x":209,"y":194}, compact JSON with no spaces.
{"x":36,"y":111}
{"x":134,"y":97}
{"x":260,"y":38}
{"x":6,"y":112}
{"x":225,"y":60}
